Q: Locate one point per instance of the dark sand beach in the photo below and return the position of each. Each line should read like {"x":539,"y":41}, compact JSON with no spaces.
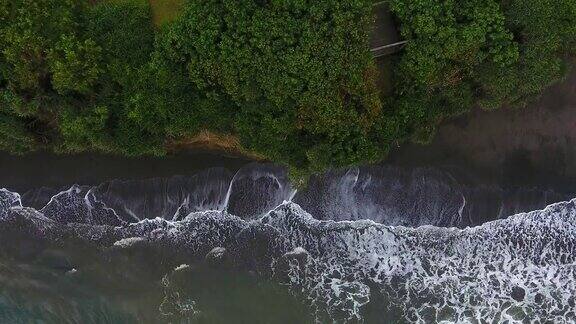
{"x":531,"y":145}
{"x":22,"y":173}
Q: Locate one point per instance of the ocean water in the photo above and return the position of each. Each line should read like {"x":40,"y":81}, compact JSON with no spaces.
{"x":376,"y":244}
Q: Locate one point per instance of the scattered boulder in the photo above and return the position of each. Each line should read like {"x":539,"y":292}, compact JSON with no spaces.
{"x":518,"y":293}
{"x":182,"y":267}
{"x":297,"y":257}
{"x":129,"y":242}
{"x":216,"y":257}
{"x":71,"y":272}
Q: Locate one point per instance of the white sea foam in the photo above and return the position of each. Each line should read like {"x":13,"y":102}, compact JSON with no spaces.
{"x":435,"y":274}
{"x":522,"y":268}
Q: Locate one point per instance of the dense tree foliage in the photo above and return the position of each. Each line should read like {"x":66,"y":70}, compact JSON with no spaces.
{"x":292,"y":79}
{"x":449,"y":42}
{"x":485,"y":52}
{"x":545,"y":31}
{"x":296,"y":74}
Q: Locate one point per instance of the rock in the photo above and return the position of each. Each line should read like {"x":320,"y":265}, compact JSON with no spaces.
{"x":182,"y":267}
{"x":518,"y":293}
{"x":216,"y":257}
{"x":71,"y":272}
{"x":298,"y":253}
{"x":129,"y":242}
{"x":297,"y":257}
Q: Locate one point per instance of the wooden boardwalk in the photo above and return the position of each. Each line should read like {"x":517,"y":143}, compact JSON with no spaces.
{"x":384,"y":36}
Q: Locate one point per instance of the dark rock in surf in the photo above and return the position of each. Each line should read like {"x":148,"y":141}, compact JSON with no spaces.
{"x":217,"y":257}
{"x":295,"y":259}
{"x":518,"y":293}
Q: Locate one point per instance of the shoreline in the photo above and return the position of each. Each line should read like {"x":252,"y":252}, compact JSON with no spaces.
{"x":42,"y":169}
{"x":532,"y":146}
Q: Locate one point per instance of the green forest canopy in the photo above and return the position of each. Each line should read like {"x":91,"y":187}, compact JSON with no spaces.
{"x":292,"y":79}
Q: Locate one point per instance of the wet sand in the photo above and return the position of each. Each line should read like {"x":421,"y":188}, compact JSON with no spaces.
{"x":22,"y":173}
{"x":531,"y":145}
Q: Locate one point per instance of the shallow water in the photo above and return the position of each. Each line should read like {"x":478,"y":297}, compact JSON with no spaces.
{"x":375,"y":244}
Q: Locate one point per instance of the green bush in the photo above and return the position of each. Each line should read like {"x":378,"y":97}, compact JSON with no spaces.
{"x":545,"y":31}
{"x":449,"y":44}
{"x":477,"y":52}
{"x":15,"y":138}
{"x":74,"y":65}
{"x":293,"y":80}
{"x":295,"y":72}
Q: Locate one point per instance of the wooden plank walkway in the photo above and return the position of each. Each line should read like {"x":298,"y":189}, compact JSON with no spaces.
{"x":387,"y":49}
{"x":384,"y":36}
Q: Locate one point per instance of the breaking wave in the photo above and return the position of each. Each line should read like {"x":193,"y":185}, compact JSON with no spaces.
{"x":375,"y":239}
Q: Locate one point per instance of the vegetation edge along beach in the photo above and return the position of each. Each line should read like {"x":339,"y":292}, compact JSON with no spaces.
{"x":290,"y":81}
